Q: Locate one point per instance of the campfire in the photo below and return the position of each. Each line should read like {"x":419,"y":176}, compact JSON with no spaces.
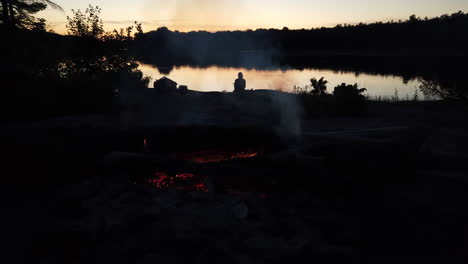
{"x":194,"y":181}
{"x":181,"y":182}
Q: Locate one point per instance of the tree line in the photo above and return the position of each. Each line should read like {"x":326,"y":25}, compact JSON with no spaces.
{"x":425,"y":36}
{"x":433,"y":49}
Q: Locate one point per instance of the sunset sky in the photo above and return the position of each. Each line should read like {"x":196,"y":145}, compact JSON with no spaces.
{"x":213,"y":15}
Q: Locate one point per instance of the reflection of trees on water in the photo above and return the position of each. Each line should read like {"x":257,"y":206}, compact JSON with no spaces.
{"x":431,"y":46}
{"x":443,"y":80}
{"x":165,"y":70}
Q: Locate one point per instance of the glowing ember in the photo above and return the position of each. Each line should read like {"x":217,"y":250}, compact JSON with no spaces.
{"x":190,"y":181}
{"x":161,"y":180}
{"x":185,"y":175}
{"x":214,"y":156}
{"x":182,"y":181}
{"x":201,"y":187}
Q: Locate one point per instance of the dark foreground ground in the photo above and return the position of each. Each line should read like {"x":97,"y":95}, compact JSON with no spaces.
{"x":383,"y":187}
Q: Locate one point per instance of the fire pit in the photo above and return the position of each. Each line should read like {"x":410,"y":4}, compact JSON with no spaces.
{"x":219,"y":159}
{"x":197,"y":179}
{"x":181,"y":182}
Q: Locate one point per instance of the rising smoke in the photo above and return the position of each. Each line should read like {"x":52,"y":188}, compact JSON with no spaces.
{"x":187,"y":15}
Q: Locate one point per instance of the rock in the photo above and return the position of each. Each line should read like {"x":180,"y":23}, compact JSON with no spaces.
{"x":240,"y":210}
{"x":183,"y":90}
{"x":165,"y":86}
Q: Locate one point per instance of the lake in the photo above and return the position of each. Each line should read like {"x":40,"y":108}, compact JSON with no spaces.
{"x":217,"y":78}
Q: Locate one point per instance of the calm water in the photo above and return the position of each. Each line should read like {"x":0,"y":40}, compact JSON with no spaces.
{"x":221,"y":79}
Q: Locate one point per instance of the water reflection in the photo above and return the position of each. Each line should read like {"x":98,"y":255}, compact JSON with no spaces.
{"x":215,"y":78}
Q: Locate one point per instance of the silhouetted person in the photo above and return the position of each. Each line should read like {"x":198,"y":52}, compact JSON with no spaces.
{"x":239,"y":84}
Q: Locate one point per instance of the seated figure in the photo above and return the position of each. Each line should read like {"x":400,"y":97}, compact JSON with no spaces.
{"x":239,"y":84}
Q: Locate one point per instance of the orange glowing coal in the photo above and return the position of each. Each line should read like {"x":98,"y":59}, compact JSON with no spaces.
{"x":182,"y":181}
{"x":202,"y":157}
{"x":190,"y":181}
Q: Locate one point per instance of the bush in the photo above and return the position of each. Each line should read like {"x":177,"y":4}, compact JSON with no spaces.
{"x":48,"y":94}
{"x":349,"y":99}
{"x":47,"y":75}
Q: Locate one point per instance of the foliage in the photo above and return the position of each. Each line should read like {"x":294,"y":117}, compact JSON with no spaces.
{"x":39,"y":25}
{"x":301,"y":90}
{"x":106,"y":56}
{"x":20,"y":13}
{"x":106,"y":51}
{"x":349,"y":99}
{"x":449,"y":88}
{"x":127,"y":34}
{"x":319,"y":86}
{"x":62,"y":75}
{"x":346,"y":100}
{"x":348,"y":90}
{"x":87,"y":24}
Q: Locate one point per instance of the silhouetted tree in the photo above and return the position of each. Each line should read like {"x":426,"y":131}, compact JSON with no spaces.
{"x":50,"y":74}
{"x":87,"y":24}
{"x":445,"y":88}
{"x":319,"y":86}
{"x":20,"y":13}
{"x":5,"y":13}
{"x":413,"y":18}
{"x":39,"y":25}
{"x":423,"y":36}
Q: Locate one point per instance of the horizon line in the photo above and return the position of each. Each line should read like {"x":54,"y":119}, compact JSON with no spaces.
{"x":129,"y":22}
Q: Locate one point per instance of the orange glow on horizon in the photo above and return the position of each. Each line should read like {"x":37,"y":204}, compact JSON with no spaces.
{"x":220,"y":15}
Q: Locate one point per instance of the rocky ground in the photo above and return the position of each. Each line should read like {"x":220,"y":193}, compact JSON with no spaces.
{"x":386,"y":186}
